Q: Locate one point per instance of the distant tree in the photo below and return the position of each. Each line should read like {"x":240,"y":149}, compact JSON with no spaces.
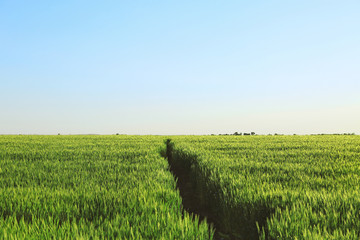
{"x":236,"y":133}
{"x":117,"y":134}
{"x":252,"y":133}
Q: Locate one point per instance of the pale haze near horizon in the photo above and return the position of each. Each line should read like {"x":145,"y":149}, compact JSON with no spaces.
{"x":185,"y":67}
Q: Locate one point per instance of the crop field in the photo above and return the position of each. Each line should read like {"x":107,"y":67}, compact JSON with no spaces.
{"x":90,"y":187}
{"x":137,"y":187}
{"x":275,"y":187}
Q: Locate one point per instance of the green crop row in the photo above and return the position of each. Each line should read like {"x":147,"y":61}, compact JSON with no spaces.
{"x":275,"y":187}
{"x":90,"y":187}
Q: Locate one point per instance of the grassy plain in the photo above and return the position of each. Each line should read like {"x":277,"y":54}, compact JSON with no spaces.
{"x":275,"y":187}
{"x":90,"y":187}
{"x":251,"y":187}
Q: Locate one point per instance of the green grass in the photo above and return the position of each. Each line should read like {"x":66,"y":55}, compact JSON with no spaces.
{"x":279,"y":187}
{"x":106,"y":187}
{"x":90,"y":187}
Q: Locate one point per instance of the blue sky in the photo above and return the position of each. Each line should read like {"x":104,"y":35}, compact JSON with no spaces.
{"x":179,"y":67}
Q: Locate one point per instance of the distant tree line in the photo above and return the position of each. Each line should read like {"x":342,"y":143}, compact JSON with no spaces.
{"x":276,"y":134}
{"x":334,"y":134}
{"x":236,"y":134}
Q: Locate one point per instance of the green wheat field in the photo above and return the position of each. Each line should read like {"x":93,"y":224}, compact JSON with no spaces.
{"x":126,"y":187}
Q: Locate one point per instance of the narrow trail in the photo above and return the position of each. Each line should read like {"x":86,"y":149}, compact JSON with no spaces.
{"x":190,"y":196}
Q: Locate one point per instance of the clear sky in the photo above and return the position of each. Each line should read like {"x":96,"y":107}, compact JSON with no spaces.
{"x":179,"y":67}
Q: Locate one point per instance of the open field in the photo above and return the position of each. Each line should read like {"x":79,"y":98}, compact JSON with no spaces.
{"x":89,"y":187}
{"x":275,"y":187}
{"x":250,"y":187}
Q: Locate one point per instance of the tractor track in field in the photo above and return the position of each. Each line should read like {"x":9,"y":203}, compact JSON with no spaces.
{"x":190,"y":198}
